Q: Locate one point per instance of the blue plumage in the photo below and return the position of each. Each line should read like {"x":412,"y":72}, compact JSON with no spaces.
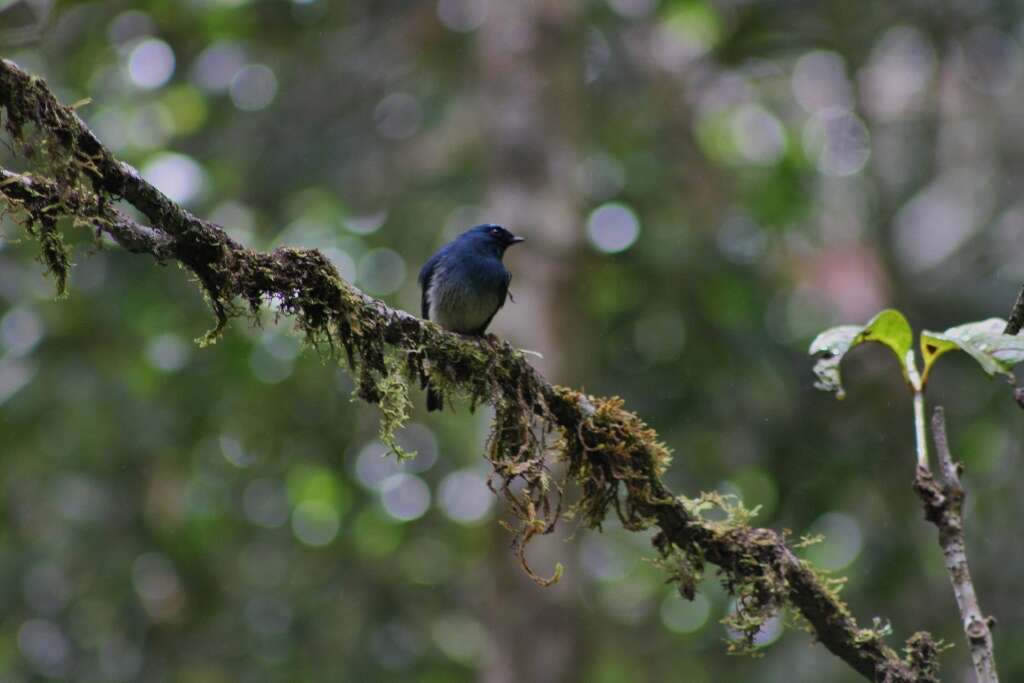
{"x":465,"y":283}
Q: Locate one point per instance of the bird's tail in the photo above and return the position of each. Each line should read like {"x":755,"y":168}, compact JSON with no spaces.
{"x":435,"y":399}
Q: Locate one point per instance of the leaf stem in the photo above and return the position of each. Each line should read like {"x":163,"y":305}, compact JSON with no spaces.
{"x":920,"y":424}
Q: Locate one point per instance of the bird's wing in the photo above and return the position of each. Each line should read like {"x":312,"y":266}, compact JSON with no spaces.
{"x":501,"y":302}
{"x":426,"y":274}
{"x":504,"y":290}
{"x":506,"y":294}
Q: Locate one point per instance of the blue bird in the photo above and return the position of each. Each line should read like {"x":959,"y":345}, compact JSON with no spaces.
{"x":464,"y":284}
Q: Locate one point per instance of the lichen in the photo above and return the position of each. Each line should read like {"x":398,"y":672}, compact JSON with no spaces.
{"x":758,"y":592}
{"x":394,"y":406}
{"x":28,"y":120}
{"x":921,"y":654}
{"x":519,"y":448}
{"x":831,"y":586}
{"x":614,"y":457}
{"x":685,"y":569}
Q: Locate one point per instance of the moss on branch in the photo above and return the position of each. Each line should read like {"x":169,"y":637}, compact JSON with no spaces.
{"x":614,"y":460}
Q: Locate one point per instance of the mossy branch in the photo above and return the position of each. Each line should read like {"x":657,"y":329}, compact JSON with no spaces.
{"x":613,"y":457}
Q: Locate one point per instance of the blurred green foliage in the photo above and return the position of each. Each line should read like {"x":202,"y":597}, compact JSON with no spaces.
{"x":738,"y":176}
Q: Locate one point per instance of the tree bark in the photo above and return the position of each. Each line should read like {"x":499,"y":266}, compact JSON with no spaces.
{"x":943,"y":506}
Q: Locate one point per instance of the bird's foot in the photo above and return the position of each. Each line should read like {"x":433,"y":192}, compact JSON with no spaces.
{"x":468,"y":336}
{"x":486,"y":338}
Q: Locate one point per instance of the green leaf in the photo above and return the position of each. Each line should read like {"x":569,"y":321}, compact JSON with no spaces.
{"x":888,"y":327}
{"x":983,"y":340}
{"x":830,"y":346}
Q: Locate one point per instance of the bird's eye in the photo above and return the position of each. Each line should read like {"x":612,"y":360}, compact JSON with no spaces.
{"x":494,"y":231}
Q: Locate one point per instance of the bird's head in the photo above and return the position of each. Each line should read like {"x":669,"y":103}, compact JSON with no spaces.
{"x":494,"y":235}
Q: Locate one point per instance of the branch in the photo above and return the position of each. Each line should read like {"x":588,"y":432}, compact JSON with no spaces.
{"x":1015,"y":320}
{"x":613,"y":457}
{"x":943,"y":507}
{"x":41,"y":196}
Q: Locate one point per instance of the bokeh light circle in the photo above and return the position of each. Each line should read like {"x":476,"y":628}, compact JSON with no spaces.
{"x":613,"y":227}
{"x":315,"y":522}
{"x":405,"y":496}
{"x":151,"y":64}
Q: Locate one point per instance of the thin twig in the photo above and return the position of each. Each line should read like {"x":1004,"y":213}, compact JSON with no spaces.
{"x":943,"y":504}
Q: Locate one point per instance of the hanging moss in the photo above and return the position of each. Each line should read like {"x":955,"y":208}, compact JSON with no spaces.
{"x":394,"y":406}
{"x":55,"y":255}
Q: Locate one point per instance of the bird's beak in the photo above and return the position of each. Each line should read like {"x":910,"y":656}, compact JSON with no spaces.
{"x":516,"y":239}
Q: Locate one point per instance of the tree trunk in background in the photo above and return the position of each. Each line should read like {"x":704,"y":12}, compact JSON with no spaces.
{"x":530,"y":71}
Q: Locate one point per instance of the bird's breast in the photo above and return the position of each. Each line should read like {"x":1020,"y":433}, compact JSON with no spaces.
{"x":459,"y":304}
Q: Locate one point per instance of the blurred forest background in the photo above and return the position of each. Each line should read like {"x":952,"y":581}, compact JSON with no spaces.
{"x":703,"y":186}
